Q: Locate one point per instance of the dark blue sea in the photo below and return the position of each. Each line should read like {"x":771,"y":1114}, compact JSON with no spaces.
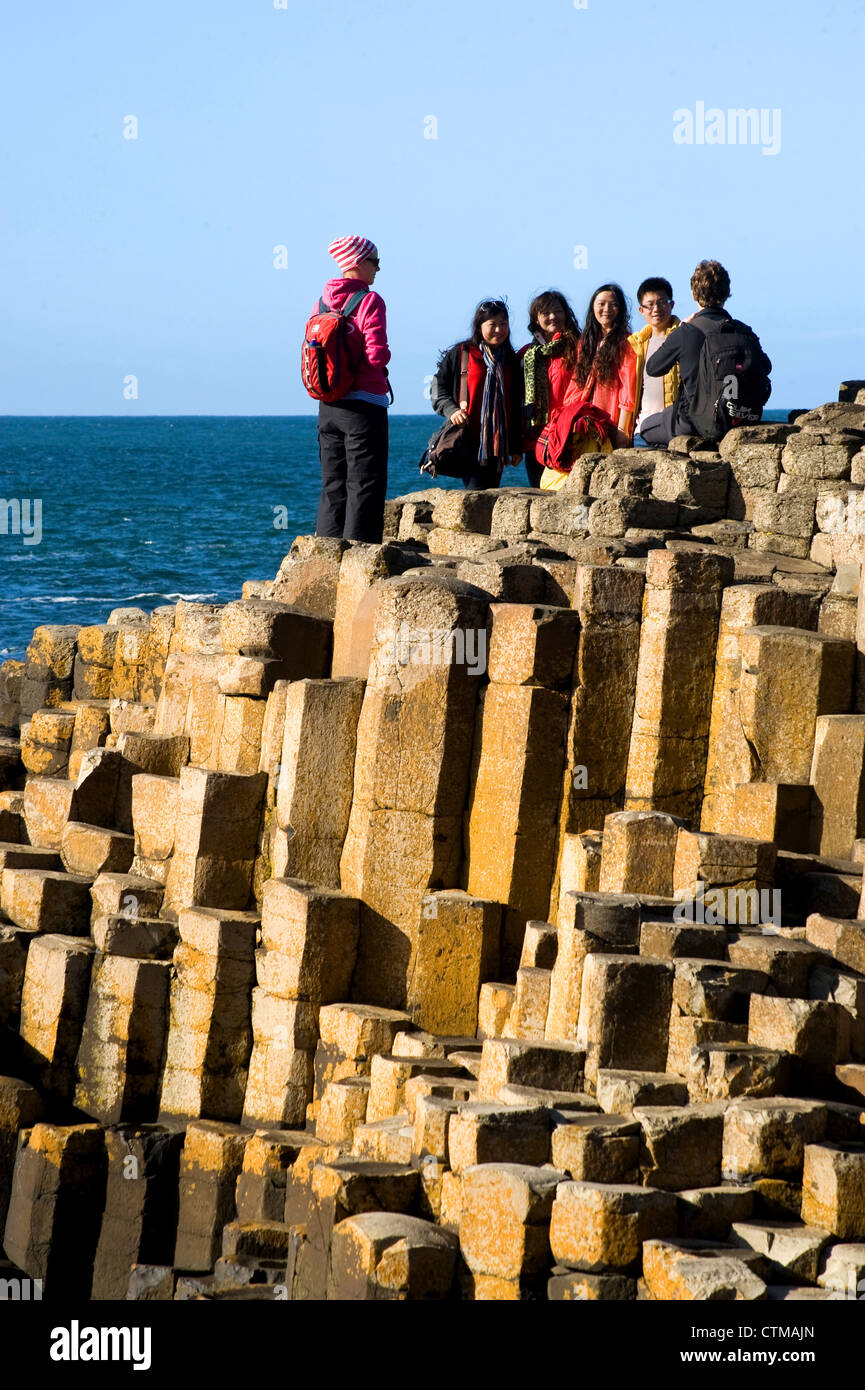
{"x":99,"y":512}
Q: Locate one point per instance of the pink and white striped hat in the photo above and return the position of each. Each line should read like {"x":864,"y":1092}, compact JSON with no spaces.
{"x":349,"y":251}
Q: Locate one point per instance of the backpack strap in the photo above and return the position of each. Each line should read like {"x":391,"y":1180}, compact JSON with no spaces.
{"x":464,"y":378}
{"x":707,"y":326}
{"x":352,"y":303}
{"x":349,"y":307}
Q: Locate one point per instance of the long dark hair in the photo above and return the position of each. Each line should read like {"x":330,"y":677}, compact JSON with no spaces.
{"x":545,"y":303}
{"x":490,"y":309}
{"x":599,"y":354}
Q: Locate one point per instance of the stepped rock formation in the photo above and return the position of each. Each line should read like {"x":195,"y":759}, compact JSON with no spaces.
{"x":475,"y":915}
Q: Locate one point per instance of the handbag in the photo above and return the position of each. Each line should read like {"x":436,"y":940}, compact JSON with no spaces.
{"x":573,"y":429}
{"x":453,"y":450}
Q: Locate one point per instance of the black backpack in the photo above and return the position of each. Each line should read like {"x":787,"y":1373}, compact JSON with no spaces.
{"x":733,"y":381}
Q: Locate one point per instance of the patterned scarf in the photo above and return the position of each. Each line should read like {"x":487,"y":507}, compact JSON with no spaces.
{"x":494,"y":413}
{"x":538,"y":381}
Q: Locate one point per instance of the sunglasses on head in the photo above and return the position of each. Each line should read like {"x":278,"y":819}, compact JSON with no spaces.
{"x":492,"y":306}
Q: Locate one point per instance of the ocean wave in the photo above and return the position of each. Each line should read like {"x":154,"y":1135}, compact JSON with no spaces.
{"x":61,"y":598}
{"x":52,"y":598}
{"x":105,"y":598}
{"x":154,"y":593}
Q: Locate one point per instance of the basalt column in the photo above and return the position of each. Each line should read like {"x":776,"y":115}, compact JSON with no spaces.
{"x":414,"y":744}
{"x":860,"y":644}
{"x":608,"y":601}
{"x":314,"y":788}
{"x":519,"y":757}
{"x":670,"y":734}
{"x":789,"y":679}
{"x":729,"y":757}
{"x":216,"y":834}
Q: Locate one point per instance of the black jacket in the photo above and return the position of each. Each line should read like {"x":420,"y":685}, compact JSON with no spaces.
{"x":445,"y":390}
{"x":684,"y":345}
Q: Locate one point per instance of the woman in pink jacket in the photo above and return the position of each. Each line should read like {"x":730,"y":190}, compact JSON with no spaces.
{"x":352,"y":432}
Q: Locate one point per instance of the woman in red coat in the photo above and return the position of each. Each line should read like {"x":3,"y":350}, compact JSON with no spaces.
{"x":606,"y":371}
{"x":548,"y":368}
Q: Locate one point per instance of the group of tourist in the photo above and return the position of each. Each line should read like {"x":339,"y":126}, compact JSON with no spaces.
{"x":568,"y":390}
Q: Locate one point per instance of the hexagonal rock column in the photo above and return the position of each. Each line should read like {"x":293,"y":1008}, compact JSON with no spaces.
{"x":675,"y":674}
{"x":518,"y":763}
{"x":309,"y":943}
{"x":210,"y":1032}
{"x":314,"y":786}
{"x":216,"y":834}
{"x":411,"y":773}
{"x":58,"y":1191}
{"x":729,"y":756}
{"x":789,"y":679}
{"x":122,"y":1042}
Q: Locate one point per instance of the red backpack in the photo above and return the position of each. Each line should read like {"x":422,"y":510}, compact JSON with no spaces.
{"x":332,"y":350}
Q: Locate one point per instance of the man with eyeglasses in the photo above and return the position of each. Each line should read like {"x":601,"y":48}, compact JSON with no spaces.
{"x":654,"y":394}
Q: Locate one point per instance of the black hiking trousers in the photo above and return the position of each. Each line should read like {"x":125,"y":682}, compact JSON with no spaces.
{"x":352,"y":447}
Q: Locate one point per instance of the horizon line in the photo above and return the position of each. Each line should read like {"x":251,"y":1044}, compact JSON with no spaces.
{"x":258,"y":415}
{"x":196,"y":415}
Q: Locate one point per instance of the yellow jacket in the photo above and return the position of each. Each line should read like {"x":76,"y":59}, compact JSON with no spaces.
{"x":639,"y":342}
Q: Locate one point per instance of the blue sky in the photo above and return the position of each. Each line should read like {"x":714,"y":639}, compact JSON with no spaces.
{"x":262,"y":127}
